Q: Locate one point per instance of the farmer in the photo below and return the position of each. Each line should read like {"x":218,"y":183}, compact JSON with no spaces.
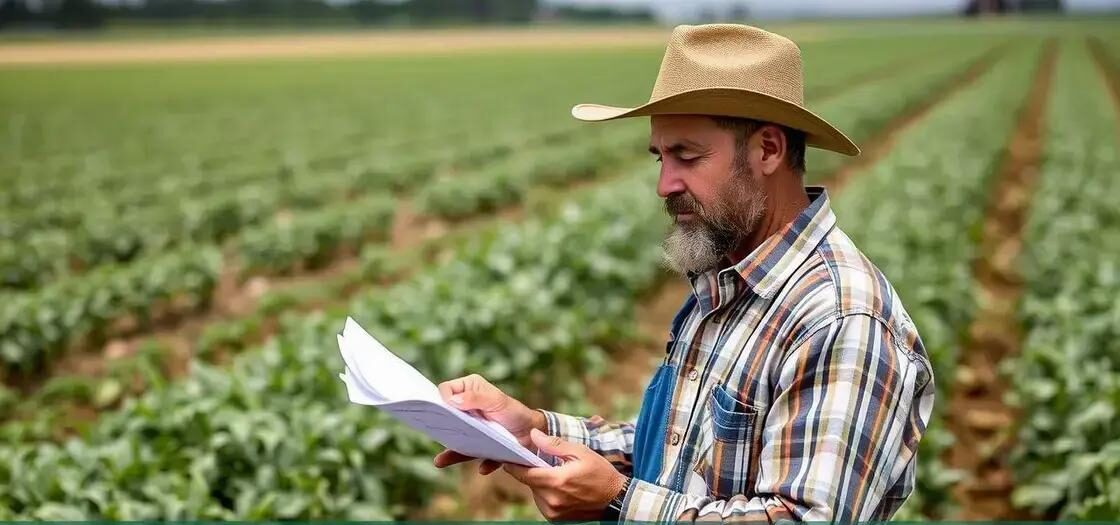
{"x":794,"y":384}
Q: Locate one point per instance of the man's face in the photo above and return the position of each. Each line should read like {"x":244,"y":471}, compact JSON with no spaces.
{"x":709,"y":188}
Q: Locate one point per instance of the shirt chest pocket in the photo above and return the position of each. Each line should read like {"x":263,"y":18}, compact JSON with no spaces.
{"x":730,"y":464}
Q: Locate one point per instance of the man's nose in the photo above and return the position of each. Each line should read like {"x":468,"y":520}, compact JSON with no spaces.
{"x":668,"y":183}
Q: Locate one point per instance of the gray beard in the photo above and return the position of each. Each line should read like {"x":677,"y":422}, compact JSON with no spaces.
{"x":704,"y":243}
{"x":694,"y":248}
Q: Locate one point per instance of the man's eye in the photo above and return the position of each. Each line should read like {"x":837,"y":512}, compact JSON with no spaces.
{"x":688,"y":160}
{"x":658,"y":159}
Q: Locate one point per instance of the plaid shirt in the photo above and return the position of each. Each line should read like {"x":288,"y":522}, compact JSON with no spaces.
{"x":802,"y":390}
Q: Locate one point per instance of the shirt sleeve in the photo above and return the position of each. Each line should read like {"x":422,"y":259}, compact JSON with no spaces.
{"x":839,"y":439}
{"x":612,"y":440}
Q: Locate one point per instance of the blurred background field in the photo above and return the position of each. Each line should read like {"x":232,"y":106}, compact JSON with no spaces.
{"x":192,"y":203}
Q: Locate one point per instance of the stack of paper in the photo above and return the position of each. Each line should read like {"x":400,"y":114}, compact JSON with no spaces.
{"x":375,"y":376}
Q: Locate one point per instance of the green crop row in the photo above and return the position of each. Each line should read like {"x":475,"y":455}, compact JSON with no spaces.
{"x":842,"y":61}
{"x":274,"y":437}
{"x":38,"y":325}
{"x":505,"y":182}
{"x":1066,"y":380}
{"x":201,"y":179}
{"x":913,"y":214}
{"x":867,"y":109}
{"x":310,"y":240}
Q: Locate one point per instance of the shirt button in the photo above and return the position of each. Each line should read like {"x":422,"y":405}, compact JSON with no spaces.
{"x":692,"y":375}
{"x":674,"y":439}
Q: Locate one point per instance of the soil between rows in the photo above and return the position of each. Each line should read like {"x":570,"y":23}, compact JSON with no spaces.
{"x":981,"y":422}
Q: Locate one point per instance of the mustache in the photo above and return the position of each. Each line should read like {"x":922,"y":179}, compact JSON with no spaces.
{"x":683,"y":202}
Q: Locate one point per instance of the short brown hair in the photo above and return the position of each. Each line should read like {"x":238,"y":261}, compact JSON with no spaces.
{"x":745,"y":127}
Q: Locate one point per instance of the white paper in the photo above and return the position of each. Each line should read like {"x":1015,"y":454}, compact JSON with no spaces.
{"x":374,"y":376}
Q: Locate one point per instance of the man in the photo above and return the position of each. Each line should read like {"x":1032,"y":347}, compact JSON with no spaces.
{"x":795,"y":385}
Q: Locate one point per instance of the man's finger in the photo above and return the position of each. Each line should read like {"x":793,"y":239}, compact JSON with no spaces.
{"x":450,"y":457}
{"x":488,"y":466}
{"x":555,"y":445}
{"x":533,"y":477}
{"x":452,"y":387}
{"x":464,"y":393}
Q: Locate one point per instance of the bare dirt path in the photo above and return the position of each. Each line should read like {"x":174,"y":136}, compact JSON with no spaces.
{"x":352,"y":43}
{"x":978,"y":417}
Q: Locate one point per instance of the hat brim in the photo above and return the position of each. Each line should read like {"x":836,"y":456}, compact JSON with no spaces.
{"x":731,"y":102}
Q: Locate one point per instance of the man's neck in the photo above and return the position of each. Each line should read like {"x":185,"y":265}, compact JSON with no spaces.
{"x":785,"y":203}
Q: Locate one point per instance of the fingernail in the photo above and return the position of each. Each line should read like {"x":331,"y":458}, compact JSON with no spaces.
{"x":457,"y":399}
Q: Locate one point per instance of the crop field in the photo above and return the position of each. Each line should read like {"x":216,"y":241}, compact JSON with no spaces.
{"x":180,"y":240}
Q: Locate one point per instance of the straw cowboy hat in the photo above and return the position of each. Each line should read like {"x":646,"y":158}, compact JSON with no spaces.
{"x":735,"y":71}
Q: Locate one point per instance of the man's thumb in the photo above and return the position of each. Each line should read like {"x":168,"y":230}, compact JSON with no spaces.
{"x":553,"y":445}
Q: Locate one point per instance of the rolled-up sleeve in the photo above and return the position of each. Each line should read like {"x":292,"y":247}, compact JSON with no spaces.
{"x":612,"y":440}
{"x":839,"y":440}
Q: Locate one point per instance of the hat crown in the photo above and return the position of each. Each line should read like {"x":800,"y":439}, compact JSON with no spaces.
{"x":730,"y":56}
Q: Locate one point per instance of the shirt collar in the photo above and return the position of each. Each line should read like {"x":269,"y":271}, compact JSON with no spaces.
{"x":773,"y":262}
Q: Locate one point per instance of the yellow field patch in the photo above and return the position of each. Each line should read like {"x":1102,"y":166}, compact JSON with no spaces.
{"x":329,"y":44}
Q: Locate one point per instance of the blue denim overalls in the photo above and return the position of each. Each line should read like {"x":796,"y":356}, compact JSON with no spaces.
{"x":653,"y":418}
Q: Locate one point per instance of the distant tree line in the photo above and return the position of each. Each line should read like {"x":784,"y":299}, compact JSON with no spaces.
{"x":980,"y":7}
{"x":442,"y":11}
{"x":91,"y":13}
{"x":594,"y":14}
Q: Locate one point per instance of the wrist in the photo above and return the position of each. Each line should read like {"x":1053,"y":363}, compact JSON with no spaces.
{"x":614,"y":507}
{"x":539,"y":420}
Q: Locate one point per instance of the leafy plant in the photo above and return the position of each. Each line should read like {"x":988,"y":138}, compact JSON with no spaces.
{"x":459,"y":195}
{"x":36,"y":325}
{"x":311,"y":239}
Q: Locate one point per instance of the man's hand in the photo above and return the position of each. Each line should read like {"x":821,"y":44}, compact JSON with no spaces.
{"x":474,"y":393}
{"x":577,"y":490}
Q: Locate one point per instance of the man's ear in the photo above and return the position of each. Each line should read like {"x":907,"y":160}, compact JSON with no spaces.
{"x":772,"y":143}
